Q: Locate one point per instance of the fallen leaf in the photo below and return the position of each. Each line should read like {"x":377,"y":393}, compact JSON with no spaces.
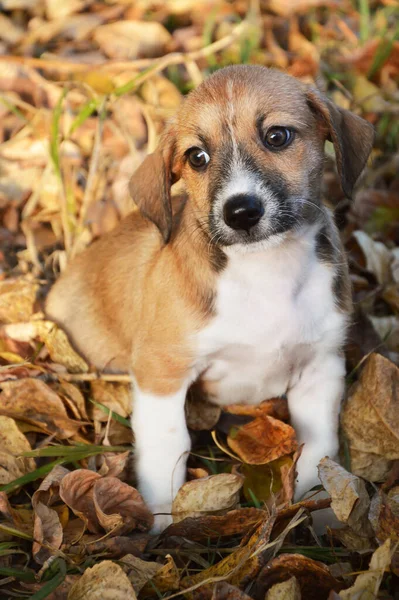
{"x":47,"y":527}
{"x":272,"y":483}
{"x":349,"y":498}
{"x":262,"y":440}
{"x":126,"y":40}
{"x":352,"y":540}
{"x":105,"y":581}
{"x":378,"y":257}
{"x":388,"y":330}
{"x":33,"y":401}
{"x":384,"y":515}
{"x":119,"y":507}
{"x":17,"y":299}
{"x":113,"y":463}
{"x":367,"y":584}
{"x":367,"y":95}
{"x":287,"y":9}
{"x":314,"y":578}
{"x":13,"y":443}
{"x":151,"y":578}
{"x":225,"y":591}
{"x":114,"y":547}
{"x":370,"y":416}
{"x":73,"y":397}
{"x":76,"y":490}
{"x":115,"y":396}
{"x":286,"y":590}
{"x":199,"y":529}
{"x":53,"y":338}
{"x":275,"y":407}
{"x":212,"y":494}
{"x":200,"y":414}
{"x":238,"y":568}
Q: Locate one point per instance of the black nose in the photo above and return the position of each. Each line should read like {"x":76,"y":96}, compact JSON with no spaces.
{"x":243,"y":212}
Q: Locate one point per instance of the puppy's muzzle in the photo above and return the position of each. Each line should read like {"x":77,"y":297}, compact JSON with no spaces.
{"x":243,"y":212}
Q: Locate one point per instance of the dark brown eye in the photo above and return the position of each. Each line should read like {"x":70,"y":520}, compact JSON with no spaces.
{"x":198,"y":158}
{"x":278,"y":137}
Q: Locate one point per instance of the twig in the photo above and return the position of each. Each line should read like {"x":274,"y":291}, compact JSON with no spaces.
{"x":83,"y":377}
{"x":174,"y":58}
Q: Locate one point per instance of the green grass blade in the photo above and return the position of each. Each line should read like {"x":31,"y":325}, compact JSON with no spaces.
{"x":364,"y":25}
{"x":55,"y":133}
{"x":114,"y":415}
{"x":133,"y":83}
{"x":27,"y":576}
{"x":52,"y":584}
{"x":86,"y":111}
{"x":12,"y":108}
{"x":73,"y":453}
{"x":9,"y":530}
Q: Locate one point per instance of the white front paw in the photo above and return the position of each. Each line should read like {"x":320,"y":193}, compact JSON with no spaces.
{"x":308,"y":477}
{"x":162,"y":518}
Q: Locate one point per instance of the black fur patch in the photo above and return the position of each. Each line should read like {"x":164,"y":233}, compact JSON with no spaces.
{"x":325,"y":251}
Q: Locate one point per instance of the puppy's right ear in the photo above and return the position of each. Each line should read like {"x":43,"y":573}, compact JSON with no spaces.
{"x":151,"y":182}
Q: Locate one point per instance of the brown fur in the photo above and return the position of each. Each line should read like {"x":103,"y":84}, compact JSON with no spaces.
{"x":132,"y":301}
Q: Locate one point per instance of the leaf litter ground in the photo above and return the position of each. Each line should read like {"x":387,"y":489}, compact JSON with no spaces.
{"x":85,"y":89}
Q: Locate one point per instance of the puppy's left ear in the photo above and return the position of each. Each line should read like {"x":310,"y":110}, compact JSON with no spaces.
{"x":151,"y":182}
{"x":352,"y":136}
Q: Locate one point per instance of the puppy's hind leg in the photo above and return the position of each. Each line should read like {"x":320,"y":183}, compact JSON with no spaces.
{"x":162,"y":444}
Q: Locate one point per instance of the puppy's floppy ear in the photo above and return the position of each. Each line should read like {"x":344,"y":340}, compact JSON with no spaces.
{"x":151,"y":182}
{"x":351,"y":135}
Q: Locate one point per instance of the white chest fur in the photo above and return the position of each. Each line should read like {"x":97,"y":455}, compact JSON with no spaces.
{"x":274,"y":310}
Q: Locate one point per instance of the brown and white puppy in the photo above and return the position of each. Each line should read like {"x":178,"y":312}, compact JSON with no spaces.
{"x":244,"y":288}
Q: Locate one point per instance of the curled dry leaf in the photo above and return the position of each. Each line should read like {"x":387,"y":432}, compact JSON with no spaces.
{"x":211,"y":494}
{"x":286,"y":590}
{"x":239,"y":567}
{"x":17,"y":299}
{"x":139,"y":571}
{"x":130,"y":39}
{"x":76,"y":490}
{"x":104,"y":581}
{"x":47,"y":528}
{"x":13,"y":443}
{"x":314,"y":578}
{"x":367,"y":584}
{"x":113,"y":464}
{"x":151,"y":578}
{"x":114,"y":547}
{"x":73,"y":397}
{"x":55,"y":340}
{"x":235,"y":522}
{"x":115,"y":396}
{"x":119,"y":507}
{"x":106,"y":503}
{"x":370,"y":418}
{"x":262,"y":440}
{"x":275,"y":407}
{"x":350,"y":500}
{"x":33,"y":401}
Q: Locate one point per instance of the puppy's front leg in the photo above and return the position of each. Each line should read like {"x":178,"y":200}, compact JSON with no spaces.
{"x":314,"y":403}
{"x":162,"y":444}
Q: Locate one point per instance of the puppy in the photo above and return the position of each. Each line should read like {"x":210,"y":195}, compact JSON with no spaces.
{"x":243,"y":289}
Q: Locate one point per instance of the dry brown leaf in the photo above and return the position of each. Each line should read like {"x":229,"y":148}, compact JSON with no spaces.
{"x":167,"y":579}
{"x":104,"y":581}
{"x":225,"y":591}
{"x":275,"y":407}
{"x":131,"y":39}
{"x":349,"y":498}
{"x":370,"y":416}
{"x":234,"y":522}
{"x":115,"y":396}
{"x":74,"y":399}
{"x":47,"y":528}
{"x":262,"y":440}
{"x":53,"y":338}
{"x":314,"y":578}
{"x":352,"y":540}
{"x":286,"y":590}
{"x":114,"y":547}
{"x":384,"y":515}
{"x":212,"y":494}
{"x":12,"y":444}
{"x":139,"y":571}
{"x":17,"y":299}
{"x":113,"y":464}
{"x":287,"y":9}
{"x":367,"y":584}
{"x":119,"y":507}
{"x":33,"y":401}
{"x":239,"y":567}
{"x":76,"y":490}
{"x":200,"y":414}
{"x":378,"y":257}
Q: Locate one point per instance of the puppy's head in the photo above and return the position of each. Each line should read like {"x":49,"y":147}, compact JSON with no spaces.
{"x":249,"y":144}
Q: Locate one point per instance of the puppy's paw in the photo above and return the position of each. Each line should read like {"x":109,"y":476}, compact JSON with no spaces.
{"x":162,"y":518}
